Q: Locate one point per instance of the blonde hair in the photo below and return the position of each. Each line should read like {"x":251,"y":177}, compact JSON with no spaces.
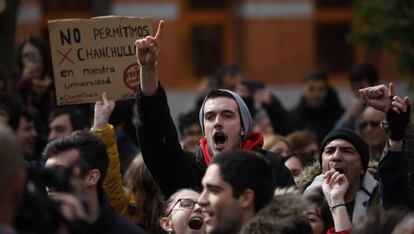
{"x":299,"y":140}
{"x":271,"y":140}
{"x":148,"y":196}
{"x":283,"y":214}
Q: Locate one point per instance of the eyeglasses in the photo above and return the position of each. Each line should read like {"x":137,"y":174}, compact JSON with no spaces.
{"x":373,"y":124}
{"x":185,"y":203}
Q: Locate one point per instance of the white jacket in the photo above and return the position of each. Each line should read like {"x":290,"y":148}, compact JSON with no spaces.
{"x":369,"y":183}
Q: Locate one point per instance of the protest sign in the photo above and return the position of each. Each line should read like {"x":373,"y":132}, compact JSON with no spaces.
{"x":92,"y":56}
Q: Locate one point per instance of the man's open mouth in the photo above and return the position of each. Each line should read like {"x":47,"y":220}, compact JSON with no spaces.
{"x":340,"y":170}
{"x":337,"y":167}
{"x":219,"y":138}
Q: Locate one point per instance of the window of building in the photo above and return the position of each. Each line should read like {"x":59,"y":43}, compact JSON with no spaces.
{"x":207,"y":26}
{"x":332,"y":23}
{"x":66,"y":5}
{"x":207,"y":46}
{"x":334,"y":54}
{"x":208,"y":4}
{"x":333,"y":3}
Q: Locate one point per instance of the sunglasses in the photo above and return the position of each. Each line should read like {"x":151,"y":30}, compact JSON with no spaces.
{"x":373,"y":124}
{"x":185,"y":203}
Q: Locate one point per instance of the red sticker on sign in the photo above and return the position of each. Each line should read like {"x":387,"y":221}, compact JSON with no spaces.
{"x":131,"y":76}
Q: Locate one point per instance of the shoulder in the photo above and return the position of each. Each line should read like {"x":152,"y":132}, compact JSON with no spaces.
{"x":200,"y":165}
{"x":281,"y":174}
{"x":308,"y":175}
{"x":272,"y":157}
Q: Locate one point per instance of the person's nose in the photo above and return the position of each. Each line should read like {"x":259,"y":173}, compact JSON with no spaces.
{"x":202,"y":200}
{"x":197,"y":208}
{"x":34,"y":133}
{"x":218,"y":121}
{"x":51,"y":136}
{"x":336,"y":156}
{"x":369,"y":127}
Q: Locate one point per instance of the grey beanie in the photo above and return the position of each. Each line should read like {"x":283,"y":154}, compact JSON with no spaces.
{"x":245,"y":115}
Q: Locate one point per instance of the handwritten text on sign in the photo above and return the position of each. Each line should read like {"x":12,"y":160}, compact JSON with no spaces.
{"x":95,"y":56}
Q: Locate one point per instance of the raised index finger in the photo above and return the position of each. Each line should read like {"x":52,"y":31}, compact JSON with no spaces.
{"x":104,"y":98}
{"x":391,"y":89}
{"x":158,"y":36}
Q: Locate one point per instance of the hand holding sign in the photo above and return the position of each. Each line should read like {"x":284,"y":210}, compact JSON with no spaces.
{"x":148,"y":48}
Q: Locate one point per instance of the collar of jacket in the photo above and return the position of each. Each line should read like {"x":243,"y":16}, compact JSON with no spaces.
{"x":106,"y":216}
{"x":253,"y":140}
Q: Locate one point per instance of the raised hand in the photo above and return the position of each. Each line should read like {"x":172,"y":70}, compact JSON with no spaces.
{"x":378,"y":96}
{"x":334,"y":187}
{"x":400,"y":105}
{"x":32,"y":71}
{"x":103,"y":110}
{"x":147,"y":48}
{"x":398,"y":117}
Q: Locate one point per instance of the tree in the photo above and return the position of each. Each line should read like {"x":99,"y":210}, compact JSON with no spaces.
{"x":386,"y":25}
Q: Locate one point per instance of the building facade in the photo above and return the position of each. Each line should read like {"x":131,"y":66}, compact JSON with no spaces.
{"x":275,"y":41}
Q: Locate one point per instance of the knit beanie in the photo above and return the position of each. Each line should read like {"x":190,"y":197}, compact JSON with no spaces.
{"x":245,"y":116}
{"x":351,"y":137}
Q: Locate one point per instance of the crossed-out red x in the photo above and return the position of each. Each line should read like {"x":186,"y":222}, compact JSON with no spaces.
{"x":65,"y":57}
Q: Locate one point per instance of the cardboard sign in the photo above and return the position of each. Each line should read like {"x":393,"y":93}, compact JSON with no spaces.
{"x":94,"y":56}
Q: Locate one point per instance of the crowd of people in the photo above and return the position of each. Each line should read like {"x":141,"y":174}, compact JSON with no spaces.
{"x":239,"y":162}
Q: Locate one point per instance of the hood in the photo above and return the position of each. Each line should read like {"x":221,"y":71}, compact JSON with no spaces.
{"x":308,"y":175}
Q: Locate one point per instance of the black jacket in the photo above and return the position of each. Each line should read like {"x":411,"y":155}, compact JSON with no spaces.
{"x":394,"y":187}
{"x":109,"y":222}
{"x":171,"y":166}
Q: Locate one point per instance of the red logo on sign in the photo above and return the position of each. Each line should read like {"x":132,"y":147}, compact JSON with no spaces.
{"x":131,"y":76}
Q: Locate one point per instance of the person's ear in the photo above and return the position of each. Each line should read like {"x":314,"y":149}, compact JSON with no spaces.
{"x":166,"y":224}
{"x":246,"y":199}
{"x":92,"y":177}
